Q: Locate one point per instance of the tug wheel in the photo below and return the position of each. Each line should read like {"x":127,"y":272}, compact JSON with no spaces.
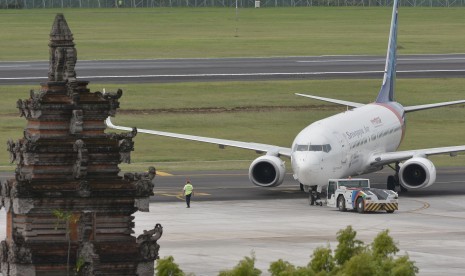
{"x":341,"y":204}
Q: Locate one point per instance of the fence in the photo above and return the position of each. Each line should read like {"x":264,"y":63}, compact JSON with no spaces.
{"x":36,"y":4}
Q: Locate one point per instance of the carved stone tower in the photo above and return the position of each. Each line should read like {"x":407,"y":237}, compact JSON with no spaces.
{"x":67,"y":207}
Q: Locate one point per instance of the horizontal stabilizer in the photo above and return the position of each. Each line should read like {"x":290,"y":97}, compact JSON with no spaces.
{"x":429,"y":106}
{"x":341,"y":102}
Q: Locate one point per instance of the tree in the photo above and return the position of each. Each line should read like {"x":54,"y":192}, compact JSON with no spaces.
{"x":351,"y":257}
{"x":322,"y":260}
{"x":245,"y":267}
{"x":284,"y":268}
{"x":281,"y":268}
{"x":383,"y":245}
{"x":167,"y":267}
{"x":348,"y":246}
{"x":362,"y":264}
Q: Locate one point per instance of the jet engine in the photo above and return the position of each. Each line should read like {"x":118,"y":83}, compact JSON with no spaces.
{"x":267,"y":171}
{"x":417,"y":173}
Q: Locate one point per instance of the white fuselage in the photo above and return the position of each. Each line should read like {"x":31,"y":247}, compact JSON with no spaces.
{"x":341,"y":145}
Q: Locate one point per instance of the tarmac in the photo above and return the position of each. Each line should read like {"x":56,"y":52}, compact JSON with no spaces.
{"x":215,"y":235}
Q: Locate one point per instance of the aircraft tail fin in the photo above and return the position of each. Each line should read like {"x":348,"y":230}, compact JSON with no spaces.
{"x":386,"y":93}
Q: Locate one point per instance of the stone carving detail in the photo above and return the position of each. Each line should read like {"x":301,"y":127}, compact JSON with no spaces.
{"x":148,"y":246}
{"x":3,"y":252}
{"x":22,"y":176}
{"x":112,"y":99}
{"x":14,"y":150}
{"x":86,"y":222}
{"x":63,"y":55}
{"x":143,"y":181}
{"x":120,"y":136}
{"x":75,"y":126}
{"x":18,"y":252}
{"x":125,"y":148}
{"x":84,"y":189}
{"x":5,"y":199}
{"x":21,"y":151}
{"x":80,"y":167}
{"x":126,"y":145}
{"x":90,"y":259}
{"x":30,"y":108}
{"x":1,"y":196}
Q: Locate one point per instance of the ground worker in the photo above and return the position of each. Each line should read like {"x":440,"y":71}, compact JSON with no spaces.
{"x":188,"y":191}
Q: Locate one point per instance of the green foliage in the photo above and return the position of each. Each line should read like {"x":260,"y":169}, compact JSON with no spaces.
{"x":322,"y":260}
{"x":402,"y":266}
{"x":348,"y":246}
{"x":167,"y":267}
{"x":245,"y":267}
{"x":80,"y":262}
{"x":383,"y":245}
{"x":281,"y":268}
{"x":351,"y":258}
{"x":284,"y":268}
{"x":361,"y":264}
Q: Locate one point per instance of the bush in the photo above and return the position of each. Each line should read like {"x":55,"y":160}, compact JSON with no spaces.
{"x":351,"y":257}
{"x":245,"y":267}
{"x":167,"y":267}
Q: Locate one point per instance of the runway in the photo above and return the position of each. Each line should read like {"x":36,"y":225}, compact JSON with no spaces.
{"x":223,"y":69}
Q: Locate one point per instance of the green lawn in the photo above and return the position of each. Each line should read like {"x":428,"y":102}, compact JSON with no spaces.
{"x":266,"y":112}
{"x":216,"y":32}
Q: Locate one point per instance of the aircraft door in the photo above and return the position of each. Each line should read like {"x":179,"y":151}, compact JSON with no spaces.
{"x":344,"y":147}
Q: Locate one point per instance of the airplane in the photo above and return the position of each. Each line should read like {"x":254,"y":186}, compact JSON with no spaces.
{"x":355,"y":142}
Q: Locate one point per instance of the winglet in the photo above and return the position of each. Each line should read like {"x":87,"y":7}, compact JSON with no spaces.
{"x":386,"y":93}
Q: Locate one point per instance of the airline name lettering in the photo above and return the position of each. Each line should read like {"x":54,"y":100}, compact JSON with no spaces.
{"x":357,"y":133}
{"x":376,"y":121}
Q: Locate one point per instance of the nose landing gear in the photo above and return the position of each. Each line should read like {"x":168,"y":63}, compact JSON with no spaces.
{"x":314,"y":197}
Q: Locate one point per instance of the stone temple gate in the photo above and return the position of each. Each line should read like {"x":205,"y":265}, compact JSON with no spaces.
{"x":67,"y":207}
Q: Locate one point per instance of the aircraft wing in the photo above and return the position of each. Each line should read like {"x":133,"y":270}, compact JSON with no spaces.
{"x":222,"y":143}
{"x":429,"y":106}
{"x":336,"y":101}
{"x":391,"y":157}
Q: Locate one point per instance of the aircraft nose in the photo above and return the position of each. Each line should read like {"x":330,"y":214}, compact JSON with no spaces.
{"x":305,"y":167}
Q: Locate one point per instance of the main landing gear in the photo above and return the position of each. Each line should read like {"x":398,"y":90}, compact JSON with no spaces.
{"x":393,"y":182}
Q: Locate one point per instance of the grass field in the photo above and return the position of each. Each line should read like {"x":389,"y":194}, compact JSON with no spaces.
{"x":266,"y":112}
{"x":216,"y":32}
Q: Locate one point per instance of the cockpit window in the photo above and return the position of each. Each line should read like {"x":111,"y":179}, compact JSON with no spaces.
{"x":324,"y":148}
{"x":302,"y":148}
{"x":327,"y":148}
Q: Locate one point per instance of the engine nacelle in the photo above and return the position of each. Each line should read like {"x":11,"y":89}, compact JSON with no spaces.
{"x":267,"y":171}
{"x":417,"y":173}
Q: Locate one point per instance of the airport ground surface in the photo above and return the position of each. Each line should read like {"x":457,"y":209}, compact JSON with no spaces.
{"x":230,"y":218}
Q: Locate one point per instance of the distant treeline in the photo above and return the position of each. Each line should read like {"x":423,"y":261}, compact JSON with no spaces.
{"x":47,"y":4}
